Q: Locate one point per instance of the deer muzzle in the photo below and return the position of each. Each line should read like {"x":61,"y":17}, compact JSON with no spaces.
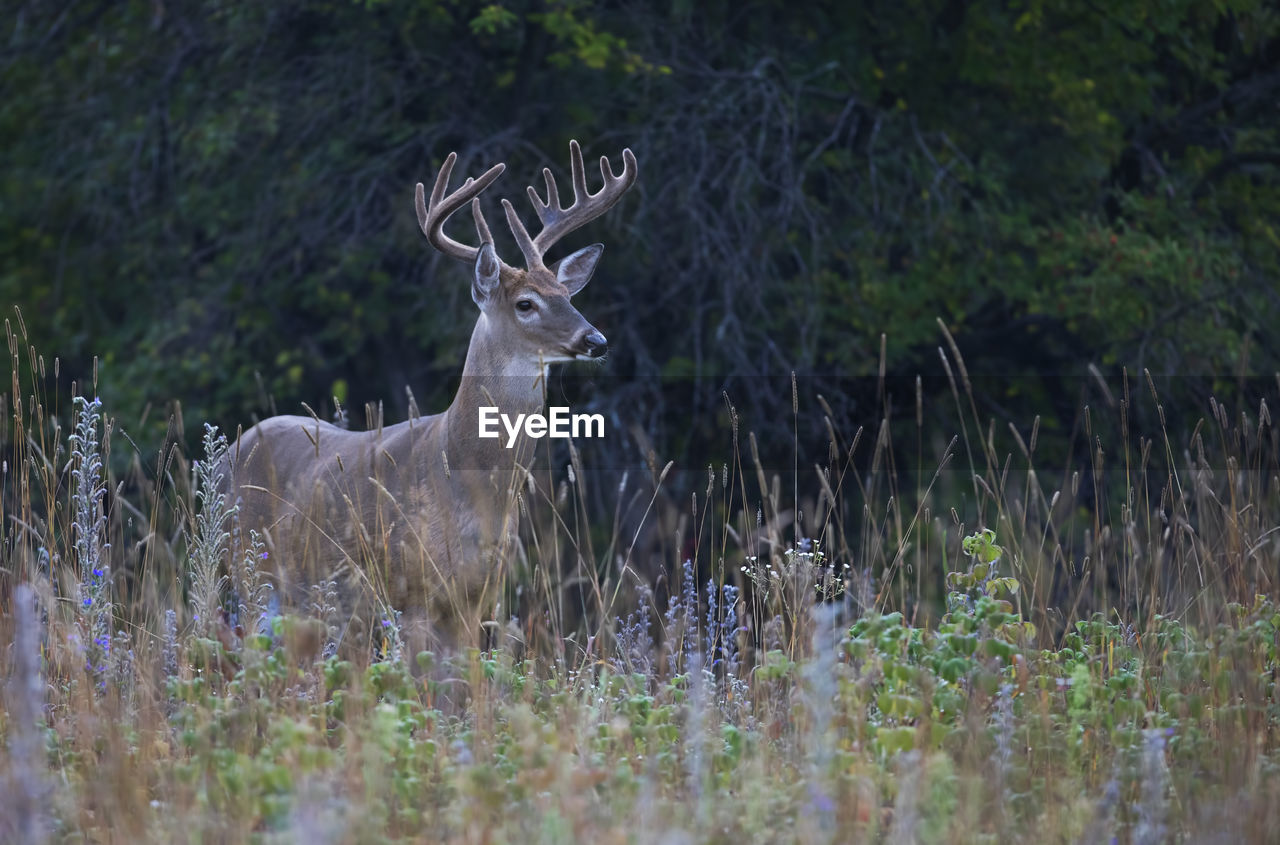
{"x":592,"y":345}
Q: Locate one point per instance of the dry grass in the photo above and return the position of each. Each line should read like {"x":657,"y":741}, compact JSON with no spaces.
{"x":1099,"y":662}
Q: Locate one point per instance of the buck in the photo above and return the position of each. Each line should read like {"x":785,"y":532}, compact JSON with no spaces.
{"x":422,"y":514}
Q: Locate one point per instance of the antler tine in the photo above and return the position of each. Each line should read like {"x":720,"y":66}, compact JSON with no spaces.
{"x":432,"y":215}
{"x":558,"y":222}
{"x":578,"y":172}
{"x":550,"y":209}
{"x":532,"y":255}
{"x":482,"y":227}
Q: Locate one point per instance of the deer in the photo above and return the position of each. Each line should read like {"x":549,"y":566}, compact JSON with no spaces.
{"x":421,"y":515}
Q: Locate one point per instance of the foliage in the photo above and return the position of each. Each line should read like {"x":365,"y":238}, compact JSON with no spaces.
{"x":789,"y":694}
{"x":209,"y":541}
{"x":882,"y":730}
{"x":216,"y":197}
{"x":89,"y":528}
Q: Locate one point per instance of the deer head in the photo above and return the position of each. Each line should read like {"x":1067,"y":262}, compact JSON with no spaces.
{"x":529,"y":308}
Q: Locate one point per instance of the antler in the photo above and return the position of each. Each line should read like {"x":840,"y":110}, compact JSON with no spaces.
{"x":432,"y":215}
{"x":558,"y":222}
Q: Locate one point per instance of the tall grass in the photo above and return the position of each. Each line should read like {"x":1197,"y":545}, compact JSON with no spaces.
{"x":845,"y":652}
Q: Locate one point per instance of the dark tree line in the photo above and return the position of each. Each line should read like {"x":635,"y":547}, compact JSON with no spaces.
{"x":216,"y":200}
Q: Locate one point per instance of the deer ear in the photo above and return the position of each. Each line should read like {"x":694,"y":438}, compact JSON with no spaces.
{"x":574,"y":271}
{"x":487,"y":272}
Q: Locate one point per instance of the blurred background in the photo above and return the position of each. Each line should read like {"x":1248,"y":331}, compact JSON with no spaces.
{"x":215,"y":201}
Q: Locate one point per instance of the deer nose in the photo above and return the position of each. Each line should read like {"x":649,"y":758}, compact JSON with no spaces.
{"x":595,"y":344}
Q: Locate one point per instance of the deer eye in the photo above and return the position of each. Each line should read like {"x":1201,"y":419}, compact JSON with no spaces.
{"x":524,"y":305}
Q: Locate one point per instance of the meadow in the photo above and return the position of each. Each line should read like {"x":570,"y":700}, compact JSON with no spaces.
{"x":976,"y":655}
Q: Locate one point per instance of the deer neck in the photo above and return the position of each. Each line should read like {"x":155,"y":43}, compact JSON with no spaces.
{"x":493,"y":377}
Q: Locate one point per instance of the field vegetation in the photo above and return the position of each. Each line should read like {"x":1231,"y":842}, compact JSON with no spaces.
{"x":940,"y":493}
{"x":1004,"y":673}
